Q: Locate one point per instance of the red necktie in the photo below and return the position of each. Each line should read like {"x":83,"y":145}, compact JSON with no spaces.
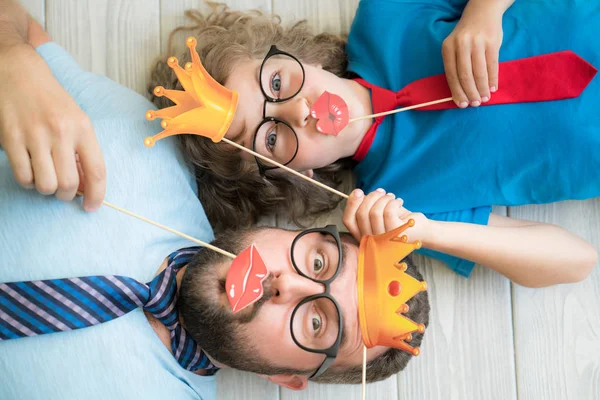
{"x":553,"y":76}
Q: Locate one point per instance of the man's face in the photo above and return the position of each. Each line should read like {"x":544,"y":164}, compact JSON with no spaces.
{"x":270,"y":328}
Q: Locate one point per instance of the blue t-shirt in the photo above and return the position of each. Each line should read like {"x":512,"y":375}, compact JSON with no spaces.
{"x":453,"y":165}
{"x":43,"y":238}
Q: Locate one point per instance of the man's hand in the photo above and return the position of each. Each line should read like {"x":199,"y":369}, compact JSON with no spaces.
{"x":471,"y":52}
{"x":44,"y":132}
{"x":378,"y":213}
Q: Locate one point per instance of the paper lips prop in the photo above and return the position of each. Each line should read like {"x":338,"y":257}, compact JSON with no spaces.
{"x":331,"y":113}
{"x":245,"y":278}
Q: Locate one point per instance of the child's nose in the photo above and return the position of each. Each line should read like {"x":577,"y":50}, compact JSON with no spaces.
{"x":295,"y":112}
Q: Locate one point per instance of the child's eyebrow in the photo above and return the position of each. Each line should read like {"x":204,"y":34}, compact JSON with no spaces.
{"x":241,"y":135}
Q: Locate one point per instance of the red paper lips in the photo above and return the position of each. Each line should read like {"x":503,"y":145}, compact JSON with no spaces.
{"x":331,"y":112}
{"x":245,"y":278}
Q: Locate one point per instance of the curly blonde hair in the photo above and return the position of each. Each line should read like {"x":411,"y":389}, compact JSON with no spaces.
{"x":231,"y":189}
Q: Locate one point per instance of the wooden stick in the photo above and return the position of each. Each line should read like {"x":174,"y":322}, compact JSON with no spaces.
{"x":183,"y":235}
{"x":430,"y":103}
{"x":306,"y":178}
{"x":364,"y":373}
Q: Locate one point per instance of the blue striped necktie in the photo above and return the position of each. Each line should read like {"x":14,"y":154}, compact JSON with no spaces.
{"x":41,"y":307}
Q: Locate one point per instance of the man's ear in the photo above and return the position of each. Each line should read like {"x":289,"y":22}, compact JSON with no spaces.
{"x":294,"y":382}
{"x":309,"y":173}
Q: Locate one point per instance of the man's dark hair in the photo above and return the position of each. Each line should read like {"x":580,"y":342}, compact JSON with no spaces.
{"x":222,"y":335}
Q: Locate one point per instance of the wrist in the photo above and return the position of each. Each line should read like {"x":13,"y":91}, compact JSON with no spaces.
{"x":490,"y":8}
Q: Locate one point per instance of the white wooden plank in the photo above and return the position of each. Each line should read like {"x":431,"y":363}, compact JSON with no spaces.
{"x":467,"y":351}
{"x":333,"y":16}
{"x":172,"y":15}
{"x":235,"y":385}
{"x":385,"y":390}
{"x":557,"y":329}
{"x":37,"y":10}
{"x":116,"y":38}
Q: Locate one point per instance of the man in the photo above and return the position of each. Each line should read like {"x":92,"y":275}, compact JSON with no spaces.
{"x":41,"y":238}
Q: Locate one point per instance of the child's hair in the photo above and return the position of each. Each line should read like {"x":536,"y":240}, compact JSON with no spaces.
{"x":231,"y":189}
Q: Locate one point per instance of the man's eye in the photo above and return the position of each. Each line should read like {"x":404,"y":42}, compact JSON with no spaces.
{"x":271,"y":139}
{"x":316,"y":323}
{"x":318,"y":263}
{"x":276,"y":84}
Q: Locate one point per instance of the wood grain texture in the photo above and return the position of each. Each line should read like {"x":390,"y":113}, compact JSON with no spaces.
{"x":116,"y":38}
{"x":236,"y":385}
{"x":557,"y":329}
{"x":37,"y":9}
{"x":330,"y":16}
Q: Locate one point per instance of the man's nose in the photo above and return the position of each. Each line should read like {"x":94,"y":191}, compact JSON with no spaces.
{"x":291,"y":287}
{"x":295,"y":112}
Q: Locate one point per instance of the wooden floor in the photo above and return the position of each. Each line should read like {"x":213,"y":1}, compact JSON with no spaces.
{"x":488,"y":339}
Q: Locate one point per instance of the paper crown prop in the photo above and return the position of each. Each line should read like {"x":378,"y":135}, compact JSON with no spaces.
{"x":203,"y":99}
{"x":384,"y":288}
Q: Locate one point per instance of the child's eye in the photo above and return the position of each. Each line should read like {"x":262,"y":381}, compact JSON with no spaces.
{"x":276,"y":84}
{"x":271,"y":139}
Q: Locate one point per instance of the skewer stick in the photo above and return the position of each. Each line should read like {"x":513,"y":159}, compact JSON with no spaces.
{"x":430,"y":103}
{"x":306,"y":178}
{"x":166,"y":228}
{"x":364,"y":373}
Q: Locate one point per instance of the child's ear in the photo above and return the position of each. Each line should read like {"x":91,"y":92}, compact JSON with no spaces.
{"x":309,"y":173}
{"x":293,"y":382}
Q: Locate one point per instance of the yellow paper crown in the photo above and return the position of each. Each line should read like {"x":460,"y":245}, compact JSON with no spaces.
{"x":204,"y":108}
{"x":384,"y":288}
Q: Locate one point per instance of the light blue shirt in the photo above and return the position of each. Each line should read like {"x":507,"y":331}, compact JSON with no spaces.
{"x":453,"y":165}
{"x":42,"y":238}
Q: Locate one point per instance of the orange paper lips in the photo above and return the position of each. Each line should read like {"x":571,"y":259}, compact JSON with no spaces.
{"x":245,"y":278}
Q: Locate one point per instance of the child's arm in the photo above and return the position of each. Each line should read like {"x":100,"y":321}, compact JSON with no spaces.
{"x":471,"y":52}
{"x":42,"y":129}
{"x":528,"y":253}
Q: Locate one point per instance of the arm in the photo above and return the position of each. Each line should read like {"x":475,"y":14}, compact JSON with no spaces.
{"x":44,"y":133}
{"x":528,"y":253}
{"x":471,"y":52}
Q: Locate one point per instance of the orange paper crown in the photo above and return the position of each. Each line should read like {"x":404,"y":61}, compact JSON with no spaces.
{"x":204,"y":108}
{"x":384,"y":288}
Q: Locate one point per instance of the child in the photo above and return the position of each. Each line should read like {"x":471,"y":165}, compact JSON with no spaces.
{"x":451,"y":165}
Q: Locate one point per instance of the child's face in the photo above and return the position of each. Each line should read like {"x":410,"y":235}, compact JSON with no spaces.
{"x":281,"y":78}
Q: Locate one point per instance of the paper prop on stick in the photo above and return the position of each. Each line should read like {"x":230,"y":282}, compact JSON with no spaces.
{"x":384,"y":288}
{"x":554,"y":76}
{"x":331,"y":113}
{"x":245,"y":278}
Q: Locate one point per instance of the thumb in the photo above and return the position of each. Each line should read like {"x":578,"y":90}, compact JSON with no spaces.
{"x":349,"y":219}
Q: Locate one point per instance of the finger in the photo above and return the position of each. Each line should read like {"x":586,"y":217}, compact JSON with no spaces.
{"x":19,"y":160}
{"x":349,"y":219}
{"x":94,"y":172}
{"x":377,"y":214}
{"x":480,"y":72}
{"x":66,"y":172}
{"x":393,"y":216}
{"x":492,"y":67}
{"x":465,"y":73}
{"x":449,"y":56}
{"x":363,"y":214}
{"x":44,"y":174}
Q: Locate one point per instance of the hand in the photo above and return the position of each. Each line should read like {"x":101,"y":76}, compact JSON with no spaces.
{"x":44,"y":132}
{"x":471,"y":52}
{"x":378,"y":213}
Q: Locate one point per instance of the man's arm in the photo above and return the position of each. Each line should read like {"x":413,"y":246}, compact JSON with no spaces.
{"x":42,"y":129}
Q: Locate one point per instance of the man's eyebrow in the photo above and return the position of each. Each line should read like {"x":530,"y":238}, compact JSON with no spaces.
{"x":345,"y":325}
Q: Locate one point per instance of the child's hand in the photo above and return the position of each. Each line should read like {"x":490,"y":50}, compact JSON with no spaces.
{"x":378,"y":213}
{"x":470,"y":54}
{"x":43,"y":131}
